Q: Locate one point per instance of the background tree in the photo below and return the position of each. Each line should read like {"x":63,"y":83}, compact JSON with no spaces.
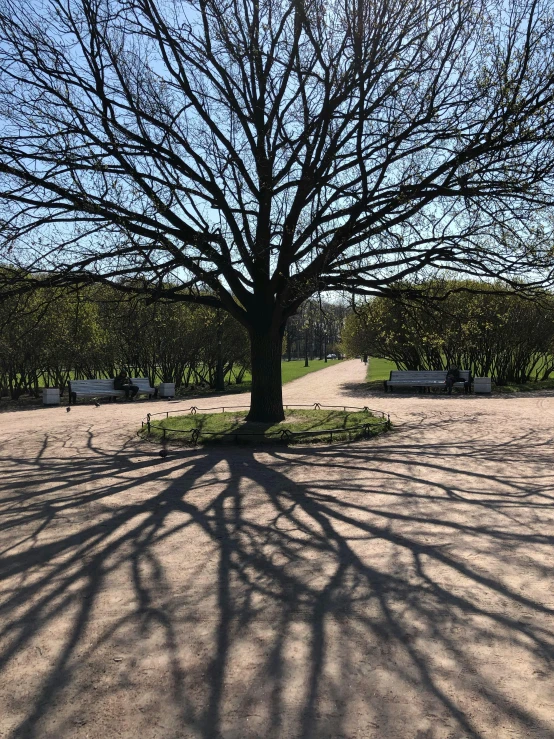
{"x":315,"y":327}
{"x":45,"y":337}
{"x":491,"y":333}
{"x":53,"y":335}
{"x":263,"y":151}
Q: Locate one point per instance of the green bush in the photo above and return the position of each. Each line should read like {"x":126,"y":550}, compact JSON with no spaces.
{"x":50,"y":336}
{"x":491,"y":333}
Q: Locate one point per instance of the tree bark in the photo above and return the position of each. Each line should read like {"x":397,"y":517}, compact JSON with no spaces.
{"x":219,"y":374}
{"x":266,"y":401}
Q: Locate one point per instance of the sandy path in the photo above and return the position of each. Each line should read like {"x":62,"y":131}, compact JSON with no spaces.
{"x":397,"y":588}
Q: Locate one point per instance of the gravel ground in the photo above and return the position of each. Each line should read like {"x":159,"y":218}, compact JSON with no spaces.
{"x":395,"y":588}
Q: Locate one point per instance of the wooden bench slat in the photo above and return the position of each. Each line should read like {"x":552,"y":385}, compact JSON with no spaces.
{"x":90,"y":388}
{"x":423,"y":378}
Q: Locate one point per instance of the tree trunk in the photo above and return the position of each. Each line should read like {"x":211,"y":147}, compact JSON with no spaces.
{"x":219,"y":374}
{"x":266,"y":401}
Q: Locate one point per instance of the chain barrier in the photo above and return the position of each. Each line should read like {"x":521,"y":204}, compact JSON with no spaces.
{"x":283,"y":435}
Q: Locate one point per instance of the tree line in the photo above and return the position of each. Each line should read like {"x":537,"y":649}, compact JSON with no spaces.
{"x":315,"y":330}
{"x":53,"y":335}
{"x":475,"y":326}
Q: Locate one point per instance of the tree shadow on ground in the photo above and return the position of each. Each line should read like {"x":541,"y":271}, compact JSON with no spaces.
{"x":362,"y":389}
{"x":390,"y":589}
{"x":375,"y":388}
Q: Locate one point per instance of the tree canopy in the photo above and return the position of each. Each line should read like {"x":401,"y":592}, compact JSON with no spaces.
{"x":487,"y":331}
{"x":260,"y":152}
{"x":53,"y":335}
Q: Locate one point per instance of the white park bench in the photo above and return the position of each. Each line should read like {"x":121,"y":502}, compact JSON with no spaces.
{"x":97,"y":388}
{"x":424,"y":379}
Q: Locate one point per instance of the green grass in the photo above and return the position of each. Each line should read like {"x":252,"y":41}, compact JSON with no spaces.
{"x":230,"y":426}
{"x":525,"y":387}
{"x":295,"y":369}
{"x":379,"y":369}
{"x":289,"y":370}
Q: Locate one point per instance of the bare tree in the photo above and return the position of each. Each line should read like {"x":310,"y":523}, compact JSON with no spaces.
{"x":259,"y":151}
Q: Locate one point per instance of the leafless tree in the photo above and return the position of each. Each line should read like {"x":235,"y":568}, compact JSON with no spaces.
{"x":250,"y":154}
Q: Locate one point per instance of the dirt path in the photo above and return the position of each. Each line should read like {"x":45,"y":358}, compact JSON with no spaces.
{"x":399,"y":588}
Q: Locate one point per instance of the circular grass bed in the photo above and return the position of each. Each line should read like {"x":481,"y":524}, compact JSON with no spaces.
{"x":299,"y":426}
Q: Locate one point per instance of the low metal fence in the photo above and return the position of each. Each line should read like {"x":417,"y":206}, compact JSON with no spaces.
{"x":283,"y":435}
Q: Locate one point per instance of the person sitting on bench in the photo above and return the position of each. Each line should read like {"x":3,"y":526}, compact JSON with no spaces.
{"x":123,"y":382}
{"x":452,"y":376}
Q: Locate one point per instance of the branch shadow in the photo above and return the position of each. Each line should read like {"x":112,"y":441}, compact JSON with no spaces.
{"x":389,"y":588}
